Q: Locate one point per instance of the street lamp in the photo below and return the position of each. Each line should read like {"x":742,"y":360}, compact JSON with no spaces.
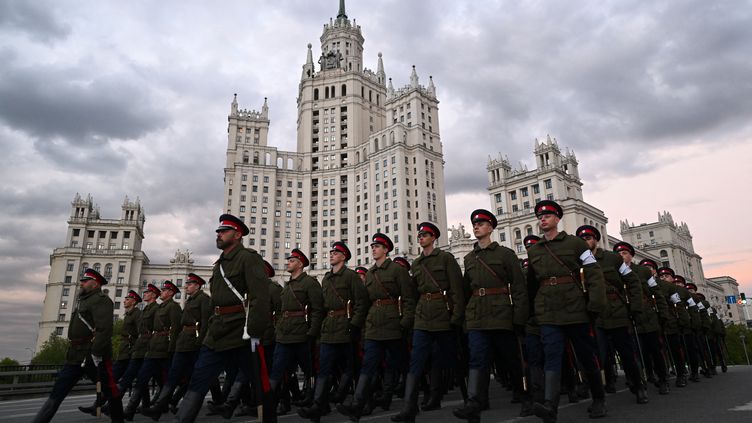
{"x":744,"y":344}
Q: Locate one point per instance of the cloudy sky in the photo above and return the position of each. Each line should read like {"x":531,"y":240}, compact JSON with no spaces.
{"x":131,"y":98}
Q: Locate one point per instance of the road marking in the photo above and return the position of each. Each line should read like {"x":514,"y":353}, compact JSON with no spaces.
{"x":745,"y":407}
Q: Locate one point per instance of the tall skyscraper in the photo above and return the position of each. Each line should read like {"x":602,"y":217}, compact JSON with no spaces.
{"x":369,"y":159}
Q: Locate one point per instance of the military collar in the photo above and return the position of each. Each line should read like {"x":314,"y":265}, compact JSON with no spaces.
{"x":340,"y":273}
{"x":196,"y":295}
{"x":301,"y":276}
{"x":385,"y":265}
{"x":89,"y":294}
{"x":492,"y":246}
{"x":435,"y":252}
{"x":130,"y":311}
{"x":164,"y":303}
{"x":561,"y":235}
{"x":231,"y":254}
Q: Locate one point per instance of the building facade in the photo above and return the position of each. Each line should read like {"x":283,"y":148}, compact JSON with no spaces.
{"x":369,"y":159}
{"x":514,"y":193}
{"x":725,"y":297}
{"x":113,"y":248}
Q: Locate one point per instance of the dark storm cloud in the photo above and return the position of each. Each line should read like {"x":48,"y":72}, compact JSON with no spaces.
{"x":36,"y":19}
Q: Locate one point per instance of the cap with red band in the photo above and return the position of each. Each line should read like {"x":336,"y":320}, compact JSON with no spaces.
{"x":341,"y":247}
{"x":153,"y":289}
{"x":268,"y":269}
{"x":402,"y":262}
{"x":666,"y":271}
{"x":430,"y":228}
{"x":228,"y":221}
{"x":384,"y":240}
{"x":169,"y":285}
{"x":649,"y":263}
{"x":548,"y":207}
{"x":361,"y":270}
{"x":134,"y":295}
{"x":194,"y":278}
{"x":588,"y":230}
{"x":483,"y":215}
{"x":691,"y":286}
{"x":297,"y":254}
{"x":91,"y":274}
{"x":530,"y":240}
{"x":624,"y":246}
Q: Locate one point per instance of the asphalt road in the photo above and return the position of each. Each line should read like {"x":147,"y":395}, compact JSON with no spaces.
{"x":724,"y":398}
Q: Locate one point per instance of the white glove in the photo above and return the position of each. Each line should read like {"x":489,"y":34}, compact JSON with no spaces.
{"x":96,"y":359}
{"x":254,"y":343}
{"x":691,"y":302}
{"x":624,"y":269}
{"x":652,"y":283}
{"x":701,"y":306}
{"x":710,"y":311}
{"x":587,"y":258}
{"x":675,"y":298}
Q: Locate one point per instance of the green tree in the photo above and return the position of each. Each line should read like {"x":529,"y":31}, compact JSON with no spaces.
{"x":52,"y":352}
{"x":734,"y":344}
{"x":7,"y":361}
{"x":116,"y":329}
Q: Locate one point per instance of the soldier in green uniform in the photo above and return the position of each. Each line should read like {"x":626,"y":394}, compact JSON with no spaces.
{"x":570,"y":292}
{"x":717,"y":338}
{"x":345,"y":308}
{"x":438,"y":317}
{"x":700,"y":334}
{"x":533,"y":350}
{"x":166,"y":328}
{"x":391,"y":313}
{"x":240,"y":304}
{"x":193,"y":326}
{"x":673,"y":326}
{"x":691,"y":326}
{"x":495,"y":314}
{"x":90,"y":351}
{"x":614,"y":325}
{"x":647,"y":322}
{"x":299,"y":323}
{"x":128,"y":337}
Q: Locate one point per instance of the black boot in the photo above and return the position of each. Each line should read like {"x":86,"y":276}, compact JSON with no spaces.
{"x":471,"y":410}
{"x":317,"y":408}
{"x":343,"y":388}
{"x":483,"y":385}
{"x":115,"y":410}
{"x":390,"y":384}
{"x":176,"y":397}
{"x":190,"y":407}
{"x":436,"y":389}
{"x":307,"y":398}
{"x":549,"y":409}
{"x":640,"y":388}
{"x":598,"y":407}
{"x":407,"y":415}
{"x":130,"y":409}
{"x":355,"y":409}
{"x":161,"y":405}
{"x":91,"y":410}
{"x":48,"y":410}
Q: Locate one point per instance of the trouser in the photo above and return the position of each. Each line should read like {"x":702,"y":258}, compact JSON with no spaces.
{"x":503,"y":343}
{"x":677,"y":352}
{"x":286,"y":356}
{"x":181,"y":367}
{"x":152,"y":368}
{"x":119,"y":367}
{"x":125,"y":381}
{"x":693,"y":352}
{"x":376,"y":351}
{"x":653,"y":354}
{"x":554,"y":339}
{"x":622,"y":343}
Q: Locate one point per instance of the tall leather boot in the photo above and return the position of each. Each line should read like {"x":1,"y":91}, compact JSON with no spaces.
{"x":355,"y":410}
{"x":436,"y":390}
{"x":130,"y":410}
{"x":483,"y":384}
{"x":549,"y":409}
{"x":116,"y":410}
{"x":598,"y":407}
{"x":471,"y":410}
{"x":176,"y":397}
{"x":407,"y":415}
{"x":390,"y":384}
{"x":319,"y":403}
{"x":190,"y":407}
{"x":307,"y":395}
{"x":92,"y":409}
{"x":161,"y":405}
{"x":536,"y":392}
{"x":227,"y":409}
{"x":48,"y":410}
{"x":343,"y":388}
{"x":639,"y":386}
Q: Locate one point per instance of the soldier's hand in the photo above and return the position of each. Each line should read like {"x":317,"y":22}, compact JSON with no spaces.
{"x":96,"y":359}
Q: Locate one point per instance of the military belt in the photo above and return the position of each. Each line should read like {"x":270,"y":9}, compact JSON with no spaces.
{"x":300,"y":313}
{"x":385,"y":301}
{"x":557,"y":280}
{"x":238,"y":308}
{"x":337,"y":313}
{"x":161,"y":332}
{"x":482,"y":292}
{"x":613,"y":296}
{"x":145,"y":335}
{"x":428,"y":296}
{"x":189,"y":328}
{"x":81,"y":341}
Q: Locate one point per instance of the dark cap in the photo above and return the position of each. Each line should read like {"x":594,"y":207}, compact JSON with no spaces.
{"x":428,"y":227}
{"x":588,"y":230}
{"x":268,"y":269}
{"x":666,"y":271}
{"x":402,"y":262}
{"x":624,"y":246}
{"x":361,"y":270}
{"x":341,"y":247}
{"x":690,"y":285}
{"x":482,"y":215}
{"x":679,"y":279}
{"x":171,"y":286}
{"x":530,"y":240}
{"x":649,"y":263}
{"x":701,"y":296}
{"x":153,"y":289}
{"x":381,"y":239}
{"x":194,"y":278}
{"x":133,"y":294}
{"x":548,"y":207}
{"x":228,"y":221}
{"x":90,"y":274}
{"x":297,"y":254}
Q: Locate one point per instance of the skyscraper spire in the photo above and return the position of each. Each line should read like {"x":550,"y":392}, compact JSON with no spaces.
{"x":380,"y":71}
{"x":414,"y":78}
{"x":341,"y":13}
{"x":234,"y":105}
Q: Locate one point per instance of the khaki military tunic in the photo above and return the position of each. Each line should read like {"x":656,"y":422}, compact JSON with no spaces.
{"x":166,"y":330}
{"x":129,"y":333}
{"x":90,"y":328}
{"x":345,"y":304}
{"x":145,"y":328}
{"x":302,"y":310}
{"x":194,"y":322}
{"x":392,"y":296}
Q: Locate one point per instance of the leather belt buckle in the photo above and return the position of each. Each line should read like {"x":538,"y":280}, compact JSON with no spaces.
{"x":428,"y":296}
{"x":481,"y":292}
{"x":285,"y":314}
{"x":378,"y":302}
{"x":331,"y":313}
{"x":216,"y":311}
{"x":553,"y":280}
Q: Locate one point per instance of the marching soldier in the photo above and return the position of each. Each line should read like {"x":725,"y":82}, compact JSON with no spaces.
{"x":390,"y":315}
{"x":533,"y":352}
{"x":345,"y":307}
{"x":90,"y":351}
{"x":240,"y":303}
{"x":161,"y":347}
{"x":495,"y":314}
{"x":438,"y":316}
{"x":193,"y":325}
{"x":692,"y":324}
{"x":647,"y":322}
{"x":299,"y":323}
{"x":624,"y":294}
{"x":128,"y":337}
{"x":702,"y":327}
{"x":570,"y":290}
{"x":673,"y":326}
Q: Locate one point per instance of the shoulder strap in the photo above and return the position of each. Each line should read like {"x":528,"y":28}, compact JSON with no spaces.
{"x":558,"y":260}
{"x":430,"y":276}
{"x":230,"y":285}
{"x":488,"y":268}
{"x":292,"y":291}
{"x":378,"y":279}
{"x":336,"y":293}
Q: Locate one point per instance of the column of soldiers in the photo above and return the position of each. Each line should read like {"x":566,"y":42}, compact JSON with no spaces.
{"x":558,"y":319}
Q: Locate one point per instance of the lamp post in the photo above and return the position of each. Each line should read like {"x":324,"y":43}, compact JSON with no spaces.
{"x":744,"y":344}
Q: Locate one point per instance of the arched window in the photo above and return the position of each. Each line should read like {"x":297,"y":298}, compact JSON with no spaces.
{"x":84,"y":266}
{"x":344,"y":90}
{"x":375,"y":145}
{"x":97,"y":267}
{"x":289,"y":163}
{"x":315,"y":93}
{"x":280,"y":163}
{"x":108,"y":270}
{"x":326,"y":92}
{"x":391,"y":137}
{"x":357,"y":157}
{"x":517,"y":234}
{"x":664,"y":253}
{"x":268,"y":159}
{"x":245,"y":157}
{"x":255,"y":157}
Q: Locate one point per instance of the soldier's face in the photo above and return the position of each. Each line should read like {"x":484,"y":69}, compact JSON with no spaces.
{"x":227,"y":237}
{"x":667,"y":278}
{"x":590,"y":241}
{"x":482,"y":229}
{"x":378,"y":251}
{"x":149,"y":296}
{"x":425,"y":239}
{"x":293,"y":265}
{"x":88,"y":285}
{"x":336,"y":257}
{"x":166,"y":294}
{"x":129,"y":302}
{"x":626,"y":256}
{"x":548,"y":221}
{"x":191,"y":288}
